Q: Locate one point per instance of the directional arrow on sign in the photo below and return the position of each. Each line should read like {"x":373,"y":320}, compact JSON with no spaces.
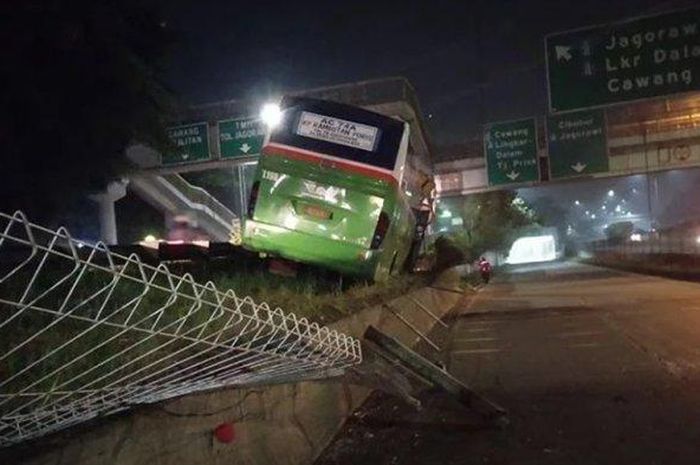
{"x":512,"y":175}
{"x":563,"y":52}
{"x":578,"y":167}
{"x":245,"y":148}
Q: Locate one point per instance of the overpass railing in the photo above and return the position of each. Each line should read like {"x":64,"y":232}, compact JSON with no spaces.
{"x":200,"y":196}
{"x":85,"y":332}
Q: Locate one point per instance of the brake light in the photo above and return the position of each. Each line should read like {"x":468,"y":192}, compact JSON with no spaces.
{"x":380,"y":230}
{"x":253,"y":199}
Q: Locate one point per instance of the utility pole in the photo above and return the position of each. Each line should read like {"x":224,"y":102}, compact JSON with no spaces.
{"x":648,"y":177}
{"x":479,"y":76}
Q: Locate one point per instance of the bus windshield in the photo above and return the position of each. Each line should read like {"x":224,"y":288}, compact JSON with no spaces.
{"x":338,"y":130}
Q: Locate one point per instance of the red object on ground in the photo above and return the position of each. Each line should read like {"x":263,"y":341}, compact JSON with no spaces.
{"x":225,"y":433}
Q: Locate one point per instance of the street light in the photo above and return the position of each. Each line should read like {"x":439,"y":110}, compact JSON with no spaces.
{"x":576,"y":202}
{"x":611,"y":193}
{"x":271,"y":115}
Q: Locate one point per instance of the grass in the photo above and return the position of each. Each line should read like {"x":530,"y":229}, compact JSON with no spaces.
{"x":315,"y":298}
{"x":113,"y":352}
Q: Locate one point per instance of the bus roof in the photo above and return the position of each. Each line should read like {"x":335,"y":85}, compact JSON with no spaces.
{"x":343,"y":131}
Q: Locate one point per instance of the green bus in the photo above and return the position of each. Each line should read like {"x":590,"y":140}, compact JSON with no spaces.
{"x":335,"y":188}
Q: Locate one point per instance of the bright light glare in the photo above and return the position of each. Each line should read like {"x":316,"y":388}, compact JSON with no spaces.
{"x":697,"y":239}
{"x":593,"y":216}
{"x":532,"y":249}
{"x":446,"y":214}
{"x":290,"y":221}
{"x":611,"y":193}
{"x":636,"y":237}
{"x":150,"y":238}
{"x":576,"y":202}
{"x":271,"y":114}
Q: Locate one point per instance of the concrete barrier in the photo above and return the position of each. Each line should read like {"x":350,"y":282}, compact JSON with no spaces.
{"x":668,"y":265}
{"x":287,"y":424}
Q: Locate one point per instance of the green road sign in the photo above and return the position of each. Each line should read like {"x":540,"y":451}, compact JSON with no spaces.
{"x":641,"y":58}
{"x":577,"y":144}
{"x":511,"y":152}
{"x":192,"y":142}
{"x":241,"y":137}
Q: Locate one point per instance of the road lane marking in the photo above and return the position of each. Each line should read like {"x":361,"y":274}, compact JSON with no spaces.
{"x":579,"y":334}
{"x":475,"y":351}
{"x":476,"y":339}
{"x":584,"y":345}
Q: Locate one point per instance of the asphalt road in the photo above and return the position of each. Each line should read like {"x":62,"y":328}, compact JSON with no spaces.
{"x":595,"y":367}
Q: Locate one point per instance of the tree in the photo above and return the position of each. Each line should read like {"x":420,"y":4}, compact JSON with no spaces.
{"x":82,"y":82}
{"x":619,"y":231}
{"x":491,"y":221}
{"x":551,"y":213}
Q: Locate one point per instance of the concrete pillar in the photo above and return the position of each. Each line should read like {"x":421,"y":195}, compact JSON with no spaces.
{"x":105,"y":202}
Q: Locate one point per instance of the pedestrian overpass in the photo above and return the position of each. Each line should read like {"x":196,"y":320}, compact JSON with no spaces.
{"x":161,"y":184}
{"x":643,"y":137}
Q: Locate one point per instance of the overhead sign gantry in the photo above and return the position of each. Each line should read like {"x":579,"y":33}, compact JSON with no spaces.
{"x":620,"y":62}
{"x":511,"y":152}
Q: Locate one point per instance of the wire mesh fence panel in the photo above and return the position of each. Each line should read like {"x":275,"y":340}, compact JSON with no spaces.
{"x":85,"y":332}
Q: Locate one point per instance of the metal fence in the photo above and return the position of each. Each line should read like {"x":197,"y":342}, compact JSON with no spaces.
{"x":682,"y":245}
{"x":85,"y":332}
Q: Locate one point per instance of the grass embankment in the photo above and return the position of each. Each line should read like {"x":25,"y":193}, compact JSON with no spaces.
{"x":312,"y":297}
{"x":51,"y":344}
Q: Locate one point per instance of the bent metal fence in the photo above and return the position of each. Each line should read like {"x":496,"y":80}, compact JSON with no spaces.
{"x":85,"y":332}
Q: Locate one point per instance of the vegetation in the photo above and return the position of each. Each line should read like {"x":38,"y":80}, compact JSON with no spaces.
{"x":319,"y":298}
{"x":82,"y":82}
{"x":620,"y":231}
{"x":490,"y":221}
{"x":110,"y":349}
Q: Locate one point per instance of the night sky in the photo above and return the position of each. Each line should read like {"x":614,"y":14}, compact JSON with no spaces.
{"x":231,"y":49}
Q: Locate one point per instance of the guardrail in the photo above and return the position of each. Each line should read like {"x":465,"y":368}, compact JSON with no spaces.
{"x":663,"y":245}
{"x":85,"y":332}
